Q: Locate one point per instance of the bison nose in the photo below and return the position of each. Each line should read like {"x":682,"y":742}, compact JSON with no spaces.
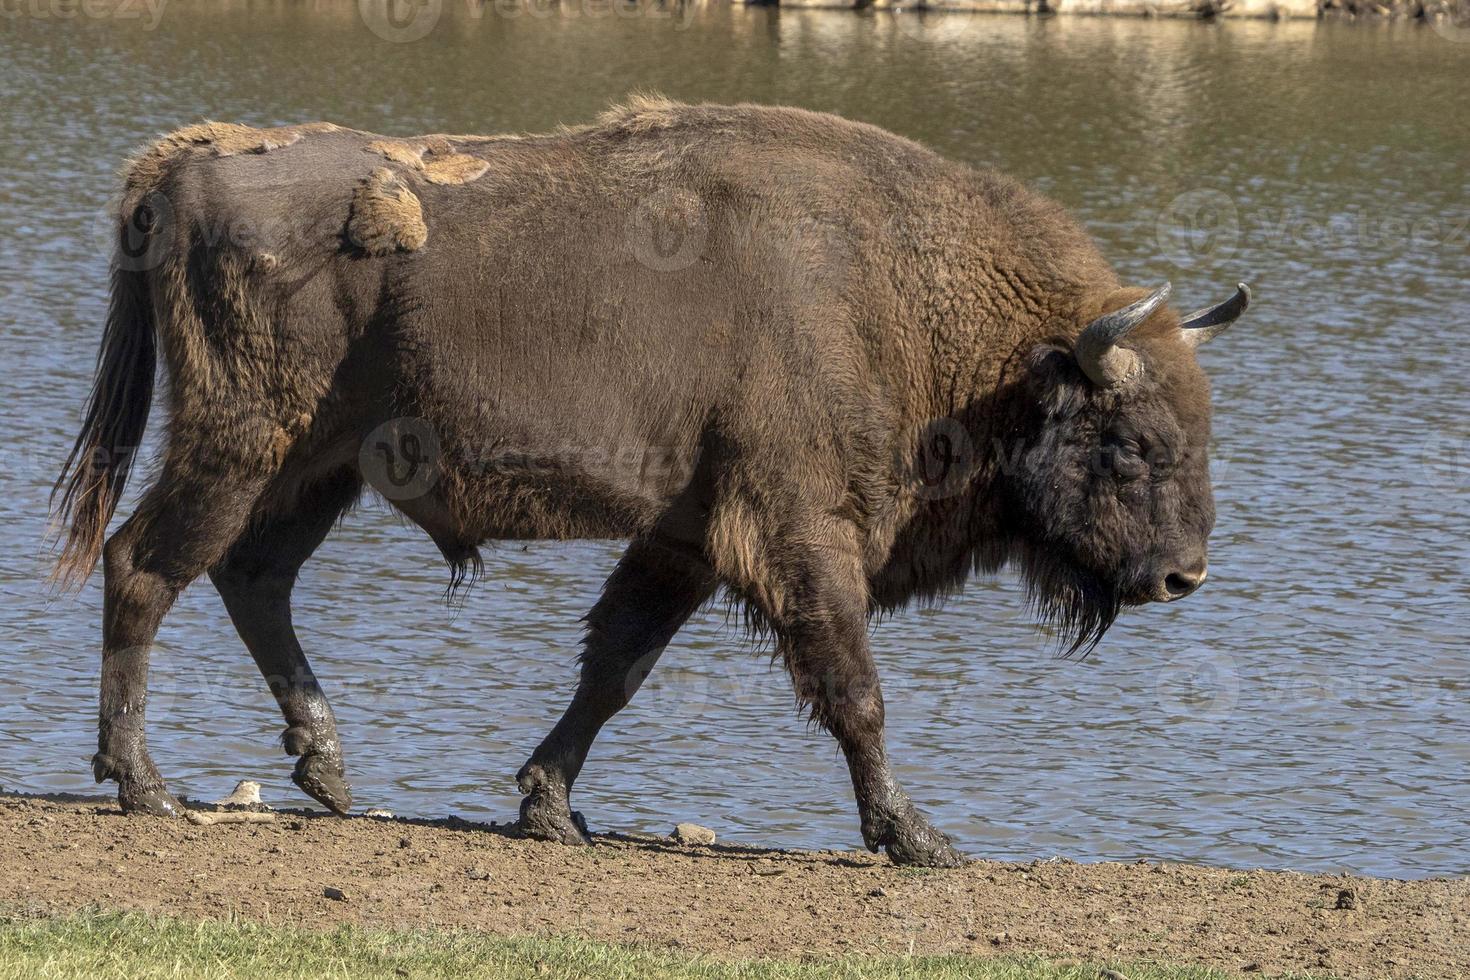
{"x":1179,"y":584}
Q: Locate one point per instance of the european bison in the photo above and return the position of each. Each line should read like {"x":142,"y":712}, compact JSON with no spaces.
{"x":780,"y":352}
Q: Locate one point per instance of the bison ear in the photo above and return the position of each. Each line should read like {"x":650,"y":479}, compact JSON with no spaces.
{"x":1044,"y":360}
{"x":1055,"y":380}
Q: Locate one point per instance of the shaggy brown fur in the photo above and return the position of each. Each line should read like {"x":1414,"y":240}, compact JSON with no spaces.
{"x":386,"y":216}
{"x":787,"y":354}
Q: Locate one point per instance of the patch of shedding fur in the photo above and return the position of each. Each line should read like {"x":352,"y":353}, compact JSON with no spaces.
{"x":435,"y":160}
{"x":453,"y":168}
{"x":286,"y":436}
{"x":398,"y":151}
{"x":386,"y":216}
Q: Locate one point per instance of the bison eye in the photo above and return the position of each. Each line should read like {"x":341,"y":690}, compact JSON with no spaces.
{"x":1120,"y":457}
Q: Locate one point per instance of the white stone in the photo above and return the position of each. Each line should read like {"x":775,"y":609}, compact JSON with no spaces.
{"x":693,"y":833}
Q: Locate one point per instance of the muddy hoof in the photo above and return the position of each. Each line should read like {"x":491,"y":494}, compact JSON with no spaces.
{"x":910,"y":841}
{"x":139,"y":786}
{"x":918,"y":845}
{"x":543,"y":820}
{"x":324,"y":782}
{"x":152,"y":800}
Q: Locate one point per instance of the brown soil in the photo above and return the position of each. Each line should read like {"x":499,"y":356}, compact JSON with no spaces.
{"x":66,"y":854}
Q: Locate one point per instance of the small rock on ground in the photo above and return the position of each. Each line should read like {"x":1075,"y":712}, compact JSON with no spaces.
{"x":693,"y":833}
{"x":245,"y":793}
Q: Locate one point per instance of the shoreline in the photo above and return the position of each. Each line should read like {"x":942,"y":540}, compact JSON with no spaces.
{"x":1447,"y":12}
{"x":727,"y":902}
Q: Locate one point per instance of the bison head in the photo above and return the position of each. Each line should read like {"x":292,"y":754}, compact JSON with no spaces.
{"x":1111,"y":494}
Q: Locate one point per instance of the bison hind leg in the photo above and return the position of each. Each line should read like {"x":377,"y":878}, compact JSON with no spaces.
{"x":182,"y":526}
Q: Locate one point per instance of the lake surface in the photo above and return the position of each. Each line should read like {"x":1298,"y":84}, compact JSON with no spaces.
{"x":1310,"y":708}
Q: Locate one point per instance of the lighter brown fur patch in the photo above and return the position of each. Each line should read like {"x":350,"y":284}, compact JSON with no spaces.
{"x":285,"y":437}
{"x":437,"y":160}
{"x":386,"y":216}
{"x":735,"y":545}
{"x":399,"y":152}
{"x":453,"y":168}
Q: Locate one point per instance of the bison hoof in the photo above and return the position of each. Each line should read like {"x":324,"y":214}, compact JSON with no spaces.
{"x":322,"y":780}
{"x":544,"y":821}
{"x":155,"y":800}
{"x":546,"y":813}
{"x":928,"y":849}
{"x":910,"y":841}
{"x":139,"y":786}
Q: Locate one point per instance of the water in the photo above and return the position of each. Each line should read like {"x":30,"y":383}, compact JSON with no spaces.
{"x":1310,"y":708}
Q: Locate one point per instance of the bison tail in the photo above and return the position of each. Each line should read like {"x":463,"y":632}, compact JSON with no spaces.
{"x":95,"y":473}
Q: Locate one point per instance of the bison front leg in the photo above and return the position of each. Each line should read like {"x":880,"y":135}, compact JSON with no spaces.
{"x":820,"y":619}
{"x":654,"y":589}
{"x":255,"y":581}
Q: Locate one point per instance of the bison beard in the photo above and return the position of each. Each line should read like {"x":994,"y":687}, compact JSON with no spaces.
{"x":326,"y":300}
{"x":1075,"y":603}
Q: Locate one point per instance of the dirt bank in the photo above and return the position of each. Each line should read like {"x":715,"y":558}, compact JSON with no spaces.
{"x":62,"y":855}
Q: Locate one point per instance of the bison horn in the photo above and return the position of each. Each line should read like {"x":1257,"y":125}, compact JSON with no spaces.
{"x":1097,"y":350}
{"x":1201,"y":325}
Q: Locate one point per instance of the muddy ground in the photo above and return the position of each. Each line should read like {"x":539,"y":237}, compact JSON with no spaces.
{"x":731,"y":901}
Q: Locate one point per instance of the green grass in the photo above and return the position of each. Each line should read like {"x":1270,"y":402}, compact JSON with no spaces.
{"x":132,"y":946}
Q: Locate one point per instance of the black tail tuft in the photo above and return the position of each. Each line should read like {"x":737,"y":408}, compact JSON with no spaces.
{"x":96,"y":471}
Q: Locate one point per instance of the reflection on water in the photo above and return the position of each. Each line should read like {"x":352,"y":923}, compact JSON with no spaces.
{"x":1307,"y":709}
